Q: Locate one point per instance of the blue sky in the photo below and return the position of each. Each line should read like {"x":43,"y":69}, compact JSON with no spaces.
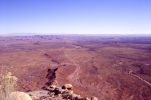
{"x":75,"y":16}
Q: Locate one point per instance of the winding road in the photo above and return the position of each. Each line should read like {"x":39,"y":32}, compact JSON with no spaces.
{"x":74,"y":77}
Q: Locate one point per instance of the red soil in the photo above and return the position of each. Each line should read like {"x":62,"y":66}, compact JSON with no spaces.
{"x":94,"y":65}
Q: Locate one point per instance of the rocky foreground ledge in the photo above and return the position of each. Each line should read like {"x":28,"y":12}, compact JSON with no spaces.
{"x":49,"y":92}
{"x":54,"y":92}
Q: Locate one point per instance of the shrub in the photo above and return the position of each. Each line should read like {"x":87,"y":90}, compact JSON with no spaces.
{"x":8,"y":84}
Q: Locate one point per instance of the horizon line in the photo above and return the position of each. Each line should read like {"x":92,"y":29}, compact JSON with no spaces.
{"x":84,"y":34}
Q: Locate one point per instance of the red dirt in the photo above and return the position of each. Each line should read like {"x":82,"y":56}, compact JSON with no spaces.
{"x":96,"y":66}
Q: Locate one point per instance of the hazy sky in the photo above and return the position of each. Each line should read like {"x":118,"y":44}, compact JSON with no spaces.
{"x":75,"y":16}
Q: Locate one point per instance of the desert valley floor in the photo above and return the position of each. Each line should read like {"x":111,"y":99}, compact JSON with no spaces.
{"x":94,"y":65}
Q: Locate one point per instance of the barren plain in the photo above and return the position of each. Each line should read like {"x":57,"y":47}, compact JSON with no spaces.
{"x":108,"y":67}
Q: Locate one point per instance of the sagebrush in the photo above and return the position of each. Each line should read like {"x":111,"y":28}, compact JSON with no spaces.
{"x":7,"y":85}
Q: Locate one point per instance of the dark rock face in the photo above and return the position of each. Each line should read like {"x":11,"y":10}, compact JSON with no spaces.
{"x":51,"y":76}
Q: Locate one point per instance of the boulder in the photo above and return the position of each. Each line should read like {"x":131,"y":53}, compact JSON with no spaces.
{"x":85,"y":98}
{"x":35,"y":95}
{"x":67,"y":86}
{"x":19,"y":96}
{"x":53,"y":86}
{"x":76,"y":97}
{"x":94,"y":98}
{"x":57,"y":91}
